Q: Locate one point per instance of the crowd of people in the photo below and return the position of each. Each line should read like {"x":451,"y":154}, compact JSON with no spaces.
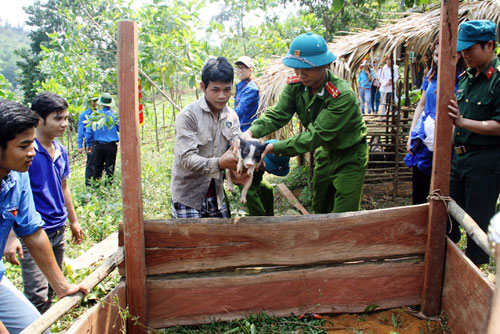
{"x":34,"y":167}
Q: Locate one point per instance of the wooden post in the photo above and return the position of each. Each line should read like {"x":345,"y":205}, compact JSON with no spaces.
{"x":436,"y":228}
{"x":128,"y":95}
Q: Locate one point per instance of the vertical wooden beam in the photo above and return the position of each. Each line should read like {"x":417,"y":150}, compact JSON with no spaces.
{"x":131,"y":175}
{"x":436,"y":228}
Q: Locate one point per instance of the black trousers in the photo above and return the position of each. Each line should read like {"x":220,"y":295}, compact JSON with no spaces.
{"x":421,"y":186}
{"x":89,"y":170}
{"x":475,"y":185}
{"x":103,"y":159}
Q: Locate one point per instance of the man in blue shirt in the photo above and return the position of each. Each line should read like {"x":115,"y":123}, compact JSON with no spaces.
{"x":17,"y":134}
{"x":246,"y":99}
{"x":365,"y":79}
{"x":82,"y":123}
{"x":104,"y":140}
{"x":48,"y":178}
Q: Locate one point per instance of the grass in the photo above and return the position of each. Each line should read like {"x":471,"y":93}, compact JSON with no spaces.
{"x":99,"y":209}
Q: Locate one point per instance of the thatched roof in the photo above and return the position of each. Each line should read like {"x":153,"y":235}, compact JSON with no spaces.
{"x":416,"y":31}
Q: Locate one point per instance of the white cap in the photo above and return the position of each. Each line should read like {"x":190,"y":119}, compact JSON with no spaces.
{"x":245,"y":60}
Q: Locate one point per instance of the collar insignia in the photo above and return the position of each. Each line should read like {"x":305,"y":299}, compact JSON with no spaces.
{"x":14,"y":213}
{"x":334,"y":92}
{"x":490,"y":72}
{"x":292,"y":79}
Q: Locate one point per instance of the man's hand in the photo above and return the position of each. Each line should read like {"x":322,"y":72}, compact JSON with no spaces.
{"x":228,"y":160}
{"x":12,"y":248}
{"x":76,"y":232}
{"x":3,"y":330}
{"x":454,"y":113}
{"x":89,"y":149}
{"x":80,"y":151}
{"x":269,"y":149}
{"x":71,"y":289}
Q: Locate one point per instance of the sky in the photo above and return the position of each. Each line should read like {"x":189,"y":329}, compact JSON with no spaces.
{"x":12,"y":11}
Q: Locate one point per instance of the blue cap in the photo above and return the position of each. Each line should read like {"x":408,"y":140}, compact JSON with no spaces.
{"x":279,"y":166}
{"x":308,"y":51}
{"x":471,"y":32}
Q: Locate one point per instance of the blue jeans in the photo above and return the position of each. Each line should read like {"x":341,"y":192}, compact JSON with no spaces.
{"x":16,"y":312}
{"x":375,"y":99}
{"x":366,"y":96}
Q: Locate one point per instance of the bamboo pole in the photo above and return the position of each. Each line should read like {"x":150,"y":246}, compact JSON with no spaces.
{"x":135,"y":265}
{"x":64,"y":305}
{"x":470,"y":226}
{"x":436,"y":227}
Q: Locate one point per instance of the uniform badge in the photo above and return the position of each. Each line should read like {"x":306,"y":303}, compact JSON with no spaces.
{"x":462,"y":74}
{"x":334,"y":92}
{"x":490,"y":72}
{"x":292,"y":79}
{"x":296,"y":53}
{"x":229,"y":124}
{"x":14,"y":213}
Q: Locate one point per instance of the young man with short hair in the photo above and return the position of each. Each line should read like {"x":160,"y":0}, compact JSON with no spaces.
{"x":475,"y":168}
{"x":335,"y":131}
{"x":204,"y":132}
{"x":49,"y":173}
{"x":17,"y":134}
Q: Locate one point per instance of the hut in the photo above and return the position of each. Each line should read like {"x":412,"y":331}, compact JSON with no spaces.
{"x":413,"y":32}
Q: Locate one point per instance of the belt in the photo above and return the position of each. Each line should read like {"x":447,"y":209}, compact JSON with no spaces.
{"x":104,"y":142}
{"x":459,"y":150}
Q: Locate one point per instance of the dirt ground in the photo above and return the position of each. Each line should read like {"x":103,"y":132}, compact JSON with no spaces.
{"x":394,"y":321}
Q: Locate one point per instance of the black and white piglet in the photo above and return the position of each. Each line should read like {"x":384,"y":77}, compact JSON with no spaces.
{"x":249,"y":153}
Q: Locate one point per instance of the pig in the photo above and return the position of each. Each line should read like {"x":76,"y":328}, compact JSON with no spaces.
{"x":249,"y":153}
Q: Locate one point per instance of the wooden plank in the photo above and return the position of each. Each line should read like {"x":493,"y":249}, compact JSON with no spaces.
{"x":467,"y":293}
{"x":435,"y":249}
{"x":347,"y":288}
{"x":185,"y":245}
{"x":98,"y":252}
{"x":68,"y":302}
{"x":103,"y":318}
{"x":283,"y":189}
{"x":131,"y":174}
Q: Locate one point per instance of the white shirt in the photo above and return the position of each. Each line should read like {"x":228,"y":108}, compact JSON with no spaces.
{"x":385,"y":78}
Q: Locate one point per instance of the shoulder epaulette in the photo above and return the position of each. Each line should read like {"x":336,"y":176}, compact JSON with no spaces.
{"x":462,"y":74}
{"x":490,"y":72}
{"x":334,"y":92}
{"x":292,"y":79}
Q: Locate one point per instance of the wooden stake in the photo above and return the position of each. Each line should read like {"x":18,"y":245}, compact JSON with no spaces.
{"x":291,"y":198}
{"x":131,"y":176}
{"x":435,"y":249}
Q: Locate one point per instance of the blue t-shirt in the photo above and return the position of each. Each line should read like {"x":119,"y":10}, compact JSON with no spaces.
{"x":246,"y":102}
{"x":103,"y":134}
{"x":18,"y":209}
{"x":46,"y":183}
{"x":363,"y":81}
{"x":81,"y":127}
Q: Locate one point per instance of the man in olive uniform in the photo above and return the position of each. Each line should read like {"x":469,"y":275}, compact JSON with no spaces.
{"x":475,"y":169}
{"x":329,"y":110}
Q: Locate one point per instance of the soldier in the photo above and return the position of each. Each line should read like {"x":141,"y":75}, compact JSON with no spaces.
{"x":475,"y":169}
{"x":329,"y":110}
